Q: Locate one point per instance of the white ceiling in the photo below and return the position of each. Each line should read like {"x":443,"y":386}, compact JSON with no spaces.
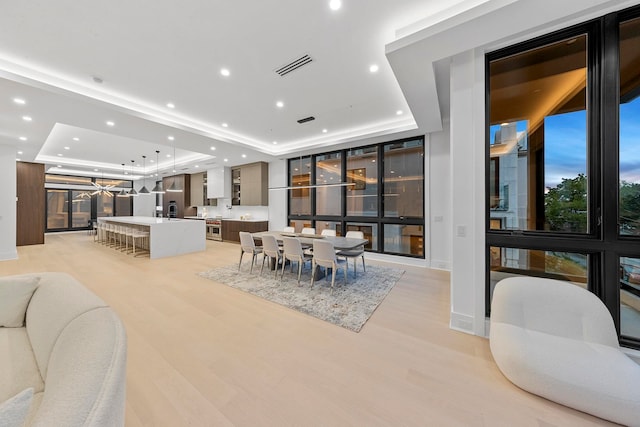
{"x":151,"y":53}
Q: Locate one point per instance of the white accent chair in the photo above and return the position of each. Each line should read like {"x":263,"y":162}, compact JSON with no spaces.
{"x":308,"y":230}
{"x":328,"y":232}
{"x":354,"y":253}
{"x":292,"y":251}
{"x":248,"y":245}
{"x":272,"y":251}
{"x":324,"y":255}
{"x":558,"y":340}
{"x":289,"y":230}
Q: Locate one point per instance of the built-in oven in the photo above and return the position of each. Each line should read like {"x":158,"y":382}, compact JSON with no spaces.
{"x":214,"y":229}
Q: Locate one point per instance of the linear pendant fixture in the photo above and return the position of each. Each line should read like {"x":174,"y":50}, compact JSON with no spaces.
{"x":298,"y":187}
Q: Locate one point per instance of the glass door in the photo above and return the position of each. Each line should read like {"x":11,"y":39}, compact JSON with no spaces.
{"x":80,"y":209}
{"x":57,"y":210}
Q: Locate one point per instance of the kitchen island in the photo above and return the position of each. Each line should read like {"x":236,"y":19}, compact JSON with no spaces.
{"x":167,"y":236}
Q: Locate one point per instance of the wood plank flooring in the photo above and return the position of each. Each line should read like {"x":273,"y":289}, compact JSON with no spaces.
{"x":204,"y":354}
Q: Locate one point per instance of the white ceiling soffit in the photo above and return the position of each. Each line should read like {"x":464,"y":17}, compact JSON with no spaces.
{"x":470,"y":25}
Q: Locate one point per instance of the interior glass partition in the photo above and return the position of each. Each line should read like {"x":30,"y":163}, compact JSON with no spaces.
{"x":328,"y":171}
{"x":362,"y":172}
{"x":403,"y":179}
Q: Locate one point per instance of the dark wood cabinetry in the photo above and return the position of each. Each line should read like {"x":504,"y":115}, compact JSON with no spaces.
{"x":249,"y":184}
{"x":182,"y":199}
{"x":231,"y":229}
{"x":30,"y":207}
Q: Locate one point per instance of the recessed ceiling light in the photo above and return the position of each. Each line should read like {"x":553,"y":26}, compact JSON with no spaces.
{"x":226,"y":160}
{"x":335,"y":4}
{"x":19,"y":152}
{"x":59,"y":166}
{"x":279,"y":104}
{"x":399,"y":112}
{"x":275,"y":142}
{"x":373,"y":68}
{"x":67,"y":148}
{"x":213,"y":148}
{"x":59,"y":155}
{"x":152,"y":161}
{"x":196,"y":166}
{"x":170,"y":137}
{"x":26,"y":118}
{"x":18,"y":159}
{"x":168,"y":156}
{"x":244,"y":156}
{"x":225,"y":72}
{"x":171,"y":105}
{"x":110,"y":123}
{"x":23,"y":138}
{"x":19,"y":101}
{"x":324,"y":131}
{"x":225,"y":125}
{"x":75,"y":138}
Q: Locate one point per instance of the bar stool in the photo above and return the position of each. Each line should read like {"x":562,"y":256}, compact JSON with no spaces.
{"x":138,"y":234}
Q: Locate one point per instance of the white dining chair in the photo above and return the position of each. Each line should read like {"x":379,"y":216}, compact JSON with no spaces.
{"x":328,"y":232}
{"x":353,"y":253}
{"x":271,"y":250}
{"x":249,"y":246}
{"x":292,"y":251}
{"x":324,"y":255}
{"x":289,"y":230}
{"x":308,"y":230}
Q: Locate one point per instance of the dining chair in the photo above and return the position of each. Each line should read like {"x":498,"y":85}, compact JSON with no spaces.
{"x":271,"y":250}
{"x":292,"y":251}
{"x":324,"y":255}
{"x":248,"y":245}
{"x":328,"y":232}
{"x":353,"y":253}
{"x":289,"y":229}
{"x":308,"y":230}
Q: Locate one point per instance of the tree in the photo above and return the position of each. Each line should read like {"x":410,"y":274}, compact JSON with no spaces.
{"x":629,"y":208}
{"x":565,"y":206}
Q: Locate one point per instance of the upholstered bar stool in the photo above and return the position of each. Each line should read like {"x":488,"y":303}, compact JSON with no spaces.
{"x":139,"y":235}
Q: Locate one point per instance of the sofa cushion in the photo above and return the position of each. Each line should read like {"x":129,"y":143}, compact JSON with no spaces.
{"x":58,"y":300}
{"x":13,"y":412}
{"x":15,"y":293}
{"x":18,"y":368}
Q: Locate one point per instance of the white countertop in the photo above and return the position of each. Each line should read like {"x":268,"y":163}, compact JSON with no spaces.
{"x":143,"y":220}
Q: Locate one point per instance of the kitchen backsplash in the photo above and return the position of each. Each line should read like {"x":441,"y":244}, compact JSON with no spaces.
{"x":225,"y":210}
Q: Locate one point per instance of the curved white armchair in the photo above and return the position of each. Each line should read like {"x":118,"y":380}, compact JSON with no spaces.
{"x":558,"y":340}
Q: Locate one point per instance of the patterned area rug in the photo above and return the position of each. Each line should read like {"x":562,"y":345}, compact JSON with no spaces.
{"x":350,"y":305}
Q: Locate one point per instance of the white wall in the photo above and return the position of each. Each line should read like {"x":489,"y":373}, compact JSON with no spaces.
{"x":278,"y":198}
{"x":144,"y":205}
{"x":438,"y":199}
{"x":8,"y":203}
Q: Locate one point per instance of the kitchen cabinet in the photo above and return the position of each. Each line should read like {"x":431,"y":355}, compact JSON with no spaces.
{"x":197,"y":189}
{"x":249,"y":185}
{"x":218,"y":183}
{"x":231,"y":228}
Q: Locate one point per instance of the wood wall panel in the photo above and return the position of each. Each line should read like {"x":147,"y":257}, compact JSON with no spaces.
{"x":183,"y":199}
{"x":30,"y":204}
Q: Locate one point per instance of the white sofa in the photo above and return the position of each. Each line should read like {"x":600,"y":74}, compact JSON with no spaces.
{"x":558,"y":340}
{"x":71,"y":351}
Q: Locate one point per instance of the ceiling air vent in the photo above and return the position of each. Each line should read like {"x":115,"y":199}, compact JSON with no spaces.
{"x":306,"y":119}
{"x":293,"y":65}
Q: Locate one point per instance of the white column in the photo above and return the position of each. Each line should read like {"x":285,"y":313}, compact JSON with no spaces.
{"x":8,"y":202}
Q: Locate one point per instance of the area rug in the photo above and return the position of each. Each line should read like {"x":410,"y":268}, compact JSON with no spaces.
{"x":350,"y":305}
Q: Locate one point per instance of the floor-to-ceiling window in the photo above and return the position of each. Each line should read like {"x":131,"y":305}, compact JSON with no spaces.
{"x":73,"y":202}
{"x":563,"y":169}
{"x":382,"y":194}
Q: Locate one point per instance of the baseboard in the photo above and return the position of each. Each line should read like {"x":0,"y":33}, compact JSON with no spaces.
{"x":439,"y":264}
{"x":9,"y":255}
{"x":462,"y":323}
{"x":415,"y":262}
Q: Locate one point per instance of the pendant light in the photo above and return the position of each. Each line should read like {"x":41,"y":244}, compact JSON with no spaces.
{"x":173,"y":188}
{"x":133,"y":191}
{"x":158,"y":187}
{"x":122,"y":192}
{"x":144,"y":190}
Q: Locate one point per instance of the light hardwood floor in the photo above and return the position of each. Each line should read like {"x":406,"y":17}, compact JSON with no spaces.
{"x":201,"y":353}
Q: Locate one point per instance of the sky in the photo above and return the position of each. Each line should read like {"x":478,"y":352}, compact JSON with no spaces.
{"x":566,"y":147}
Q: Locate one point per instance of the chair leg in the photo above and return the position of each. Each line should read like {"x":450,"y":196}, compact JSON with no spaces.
{"x":363,"y":267}
{"x":240,"y":263}
{"x":253,"y":259}
{"x":275,"y":267}
{"x":283,"y":263}
{"x":299,"y":270}
{"x":314,"y":266}
{"x":333,"y":276}
{"x":262,"y":267}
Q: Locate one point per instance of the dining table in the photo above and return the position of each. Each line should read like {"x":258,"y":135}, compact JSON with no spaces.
{"x":339,"y":242}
